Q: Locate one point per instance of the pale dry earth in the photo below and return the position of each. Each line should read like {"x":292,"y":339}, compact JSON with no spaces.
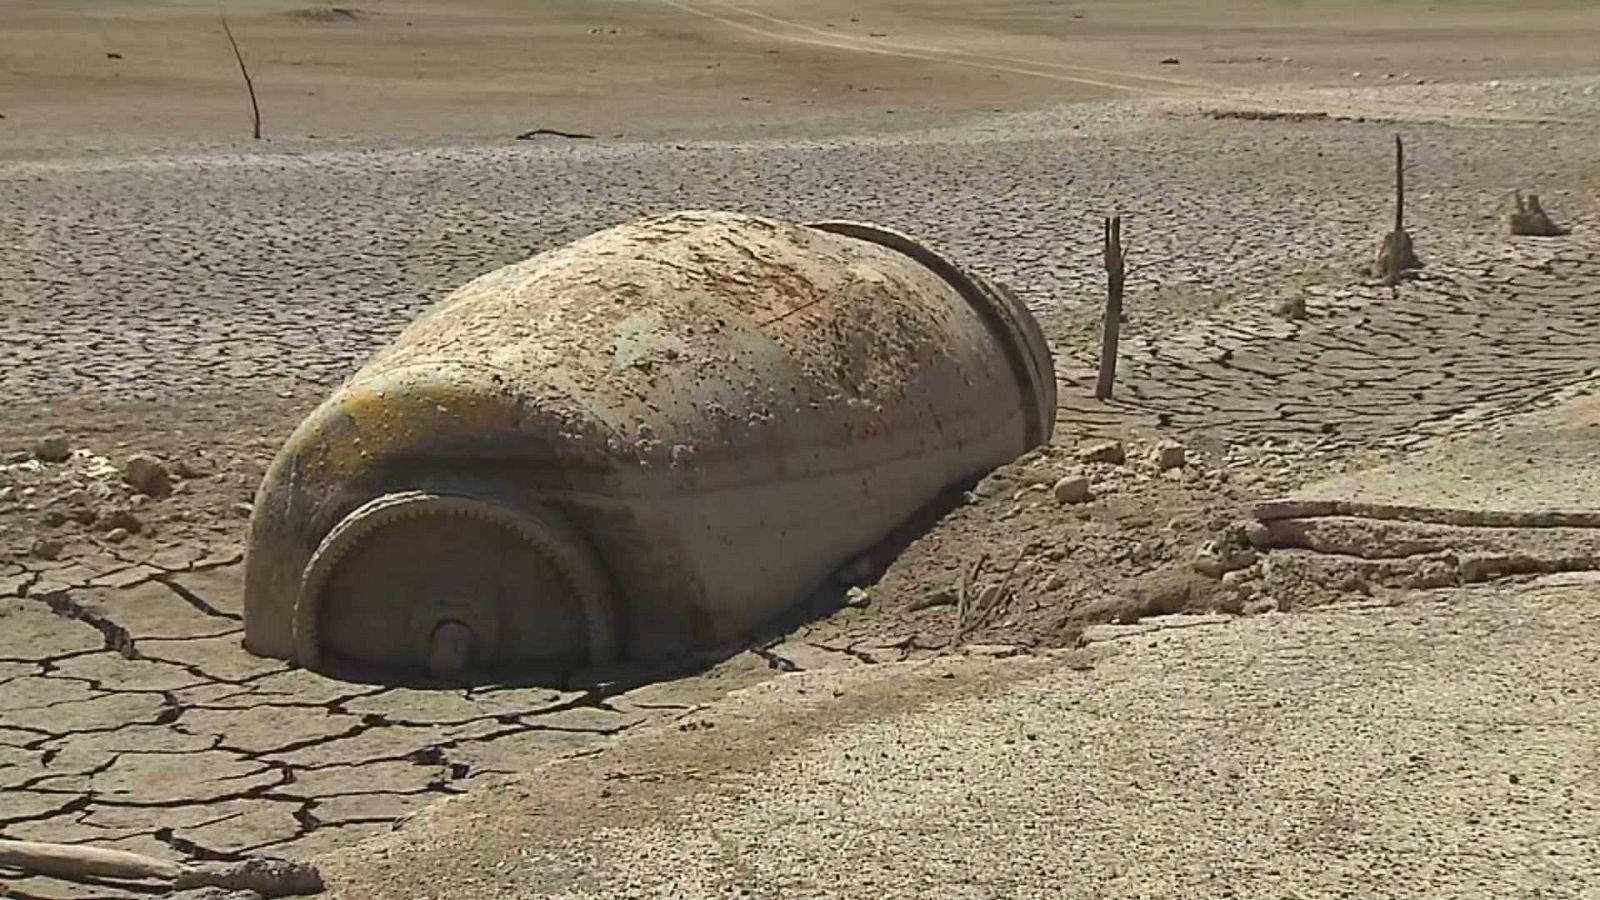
{"x":87,"y":75}
{"x":194,"y":303}
{"x":1443,"y":747}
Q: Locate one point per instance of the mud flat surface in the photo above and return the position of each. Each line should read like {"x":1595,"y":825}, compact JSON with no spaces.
{"x":194,"y":304}
{"x":1442,"y":747}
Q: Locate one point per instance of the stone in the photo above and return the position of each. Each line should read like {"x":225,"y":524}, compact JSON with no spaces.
{"x":857,"y":598}
{"x":116,"y":535}
{"x":242,"y":510}
{"x":47,"y":548}
{"x":1110,"y":452}
{"x":147,"y":475}
{"x":1168,"y":455}
{"x":1073,"y":489}
{"x":52,"y":449}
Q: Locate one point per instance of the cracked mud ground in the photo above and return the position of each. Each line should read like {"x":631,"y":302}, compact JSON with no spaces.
{"x":195,"y":307}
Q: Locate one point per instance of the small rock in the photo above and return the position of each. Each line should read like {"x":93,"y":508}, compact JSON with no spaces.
{"x":52,"y":450}
{"x":1170,"y":61}
{"x":1103,"y":452}
{"x":48,"y":548}
{"x":243,"y":510}
{"x":147,"y":475}
{"x":1168,"y":455}
{"x":1073,"y":489}
{"x":857,"y":598}
{"x":116,"y":535}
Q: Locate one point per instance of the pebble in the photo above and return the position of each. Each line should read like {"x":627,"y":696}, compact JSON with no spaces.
{"x":1073,"y":489}
{"x":147,"y":475}
{"x":1168,"y":455}
{"x":1110,"y":452}
{"x":116,"y":535}
{"x":52,"y":449}
{"x":242,"y":510}
{"x":857,"y":598}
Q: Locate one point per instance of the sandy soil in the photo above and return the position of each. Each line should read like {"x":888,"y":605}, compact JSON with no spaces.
{"x":85,"y":73}
{"x":183,"y":291}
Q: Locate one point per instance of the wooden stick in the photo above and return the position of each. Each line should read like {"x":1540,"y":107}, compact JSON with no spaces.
{"x":1110,"y":330}
{"x":249,"y":86}
{"x":964,"y":598}
{"x":74,"y":862}
{"x":1399,"y":185}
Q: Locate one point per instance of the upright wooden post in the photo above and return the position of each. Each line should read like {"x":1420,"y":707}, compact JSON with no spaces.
{"x":1111,"y":327}
{"x":1399,"y":184}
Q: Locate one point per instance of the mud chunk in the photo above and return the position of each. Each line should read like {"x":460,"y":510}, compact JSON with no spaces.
{"x":267,"y":877}
{"x":121,"y":518}
{"x":48,"y":548}
{"x":1073,"y":489}
{"x":147,"y":475}
{"x":1228,"y":552}
{"x":1168,"y":455}
{"x":52,"y":449}
{"x":1103,"y":452}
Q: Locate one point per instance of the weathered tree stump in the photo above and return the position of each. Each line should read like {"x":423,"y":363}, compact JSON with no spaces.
{"x":1530,"y":220}
{"x":1116,"y":258}
{"x":1396,"y":254}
